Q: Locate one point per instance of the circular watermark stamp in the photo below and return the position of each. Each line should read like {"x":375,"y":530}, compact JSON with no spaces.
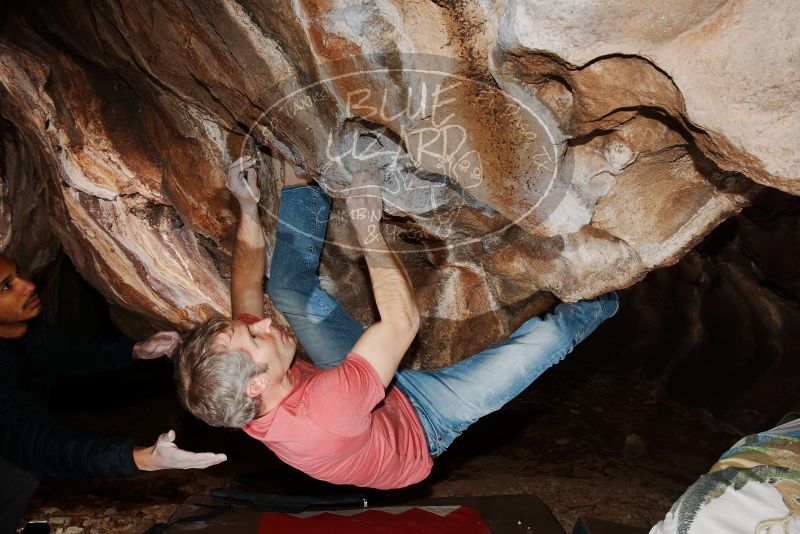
{"x":458,"y":158}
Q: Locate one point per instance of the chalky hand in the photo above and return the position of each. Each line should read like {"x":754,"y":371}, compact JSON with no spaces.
{"x":243,"y":180}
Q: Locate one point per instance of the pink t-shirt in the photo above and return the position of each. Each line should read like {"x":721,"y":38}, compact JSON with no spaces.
{"x":334,"y":427}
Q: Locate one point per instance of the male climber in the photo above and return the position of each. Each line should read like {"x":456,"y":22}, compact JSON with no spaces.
{"x":352,"y":417}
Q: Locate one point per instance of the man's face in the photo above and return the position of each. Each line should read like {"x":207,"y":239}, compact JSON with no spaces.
{"x":18,"y":299}
{"x":265,"y":343}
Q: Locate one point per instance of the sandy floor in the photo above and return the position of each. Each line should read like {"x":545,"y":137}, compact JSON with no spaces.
{"x":594,"y":446}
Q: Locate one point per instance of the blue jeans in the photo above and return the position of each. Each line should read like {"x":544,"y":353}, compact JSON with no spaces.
{"x":447,"y":400}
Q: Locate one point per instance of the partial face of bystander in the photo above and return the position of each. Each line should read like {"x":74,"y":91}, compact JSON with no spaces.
{"x":19,"y":301}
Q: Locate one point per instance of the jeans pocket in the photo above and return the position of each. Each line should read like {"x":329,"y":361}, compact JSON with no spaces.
{"x":431,"y":431}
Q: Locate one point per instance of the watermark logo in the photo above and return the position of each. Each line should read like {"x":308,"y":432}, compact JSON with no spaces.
{"x":444,"y":151}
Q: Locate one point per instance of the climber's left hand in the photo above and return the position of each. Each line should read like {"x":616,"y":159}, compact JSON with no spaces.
{"x":243,"y":181}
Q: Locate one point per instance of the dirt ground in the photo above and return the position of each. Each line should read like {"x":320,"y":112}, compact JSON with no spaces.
{"x":600,"y":446}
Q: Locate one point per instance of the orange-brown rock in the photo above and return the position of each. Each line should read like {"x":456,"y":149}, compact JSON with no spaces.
{"x":525,"y":148}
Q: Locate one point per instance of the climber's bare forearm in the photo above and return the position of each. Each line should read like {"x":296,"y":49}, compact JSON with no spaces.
{"x":391,"y":287}
{"x":385,"y":343}
{"x":247,"y":272}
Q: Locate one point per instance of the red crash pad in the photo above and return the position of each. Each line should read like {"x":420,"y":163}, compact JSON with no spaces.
{"x":395,"y":520}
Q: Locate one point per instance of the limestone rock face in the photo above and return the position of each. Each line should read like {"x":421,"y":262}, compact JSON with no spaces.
{"x":525,"y":148}
{"x":733,"y":61}
{"x":22,"y":206}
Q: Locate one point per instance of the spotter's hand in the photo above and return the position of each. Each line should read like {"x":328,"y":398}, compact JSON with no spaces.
{"x":157,"y":345}
{"x":166,"y":455}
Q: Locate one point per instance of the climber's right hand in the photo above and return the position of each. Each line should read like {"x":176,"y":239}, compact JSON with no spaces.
{"x":243,"y":181}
